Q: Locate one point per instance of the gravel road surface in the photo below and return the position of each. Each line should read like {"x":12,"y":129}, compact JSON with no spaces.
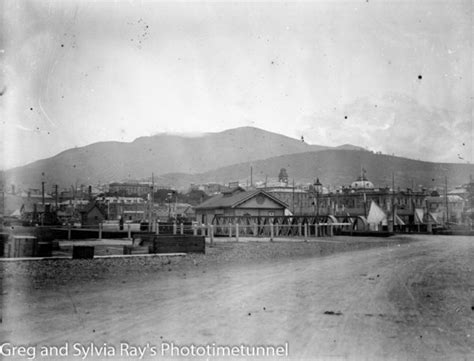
{"x":410,"y":298}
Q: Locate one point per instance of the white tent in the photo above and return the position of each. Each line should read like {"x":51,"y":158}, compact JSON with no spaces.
{"x":16,"y":213}
{"x":419,"y":215}
{"x":376,"y":216}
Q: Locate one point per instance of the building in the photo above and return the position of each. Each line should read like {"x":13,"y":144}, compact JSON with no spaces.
{"x":138,"y":189}
{"x":357,"y":198}
{"x":127,"y":208}
{"x":437,"y":205}
{"x":209,"y":188}
{"x":297,"y":199}
{"x":238,"y":202}
{"x":354,"y":200}
{"x":93,"y":214}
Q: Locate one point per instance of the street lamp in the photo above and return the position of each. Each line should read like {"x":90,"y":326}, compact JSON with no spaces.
{"x":317,"y":189}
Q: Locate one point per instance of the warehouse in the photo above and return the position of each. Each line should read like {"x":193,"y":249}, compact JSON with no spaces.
{"x":238,"y":202}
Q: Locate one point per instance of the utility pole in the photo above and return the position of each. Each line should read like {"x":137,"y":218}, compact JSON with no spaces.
{"x":293,"y":205}
{"x":317,"y":188}
{"x":393,"y":201}
{"x":56,"y":195}
{"x":446,"y":197}
{"x":42,"y":193}
{"x":175,"y":205}
{"x":169,"y":206}
{"x":152,"y":200}
{"x":42,"y":199}
{"x":251,"y":177}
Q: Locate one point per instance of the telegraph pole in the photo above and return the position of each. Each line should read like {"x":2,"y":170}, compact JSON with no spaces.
{"x":293,"y":205}
{"x":251,"y":177}
{"x":446,"y":197}
{"x":152,"y":200}
{"x":56,"y":194}
{"x":42,"y":200}
{"x":393,"y":201}
{"x":42,"y":193}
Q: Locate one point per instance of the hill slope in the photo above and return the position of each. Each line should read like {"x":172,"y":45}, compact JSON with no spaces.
{"x":337,"y":167}
{"x":164,"y":153}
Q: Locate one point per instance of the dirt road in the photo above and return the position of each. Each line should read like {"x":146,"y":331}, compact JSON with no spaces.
{"x":412,"y":301}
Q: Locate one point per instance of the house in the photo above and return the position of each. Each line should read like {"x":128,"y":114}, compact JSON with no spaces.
{"x":173,"y":211}
{"x":189,"y":213}
{"x":448,"y":208}
{"x":93,"y":214}
{"x":238,"y":202}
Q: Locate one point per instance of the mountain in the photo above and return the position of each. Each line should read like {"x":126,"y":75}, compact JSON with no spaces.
{"x":228,"y":156}
{"x":163,"y":153}
{"x":336,"y":167}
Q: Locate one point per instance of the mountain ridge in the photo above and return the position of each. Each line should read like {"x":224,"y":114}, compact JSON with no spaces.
{"x":338,"y":167}
{"x":162,"y":153}
{"x":227,"y":156}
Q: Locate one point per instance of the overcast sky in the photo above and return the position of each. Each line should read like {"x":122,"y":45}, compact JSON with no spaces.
{"x":392,"y":76}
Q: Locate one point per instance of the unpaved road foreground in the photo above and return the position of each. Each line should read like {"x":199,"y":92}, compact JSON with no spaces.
{"x":405,"y":300}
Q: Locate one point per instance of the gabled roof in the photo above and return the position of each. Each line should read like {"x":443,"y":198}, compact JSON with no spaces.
{"x":235,"y":198}
{"x":91,"y":206}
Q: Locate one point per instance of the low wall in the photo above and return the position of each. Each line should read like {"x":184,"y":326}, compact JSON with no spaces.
{"x":171,"y":243}
{"x":13,"y":246}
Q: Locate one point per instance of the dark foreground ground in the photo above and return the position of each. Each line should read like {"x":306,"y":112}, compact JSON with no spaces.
{"x":397,"y":299}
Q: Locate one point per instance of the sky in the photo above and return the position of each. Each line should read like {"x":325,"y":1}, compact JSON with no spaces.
{"x":390,"y":76}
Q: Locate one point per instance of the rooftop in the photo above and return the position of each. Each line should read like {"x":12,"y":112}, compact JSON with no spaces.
{"x":235,"y":197}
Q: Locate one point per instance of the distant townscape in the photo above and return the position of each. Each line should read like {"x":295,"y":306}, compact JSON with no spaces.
{"x":303,"y":180}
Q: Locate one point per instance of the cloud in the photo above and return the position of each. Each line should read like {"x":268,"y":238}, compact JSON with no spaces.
{"x":395,"y":124}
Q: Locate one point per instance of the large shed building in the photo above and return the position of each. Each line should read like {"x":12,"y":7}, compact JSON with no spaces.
{"x":238,"y":202}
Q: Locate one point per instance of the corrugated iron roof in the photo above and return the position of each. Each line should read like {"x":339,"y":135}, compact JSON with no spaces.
{"x":233,"y":199}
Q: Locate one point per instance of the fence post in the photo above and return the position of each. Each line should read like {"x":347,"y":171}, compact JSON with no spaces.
{"x":211,"y":234}
{"x":277,"y":228}
{"x":100,"y":230}
{"x":175,"y":228}
{"x":181,"y":228}
{"x":331,"y":231}
{"x":157,"y":228}
{"x":271,"y":230}
{"x":299,"y":229}
{"x":195,"y":231}
{"x":69,"y":231}
{"x":129,"y":229}
{"x":306,"y":230}
{"x":237,"y":232}
{"x":255,"y":229}
{"x":230,"y":230}
{"x":203,"y":229}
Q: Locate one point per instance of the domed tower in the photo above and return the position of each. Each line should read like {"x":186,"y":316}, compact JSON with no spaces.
{"x":362,"y":182}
